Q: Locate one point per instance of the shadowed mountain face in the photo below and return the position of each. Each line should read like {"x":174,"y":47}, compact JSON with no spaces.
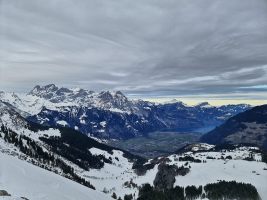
{"x":111,"y":115}
{"x":247,"y":127}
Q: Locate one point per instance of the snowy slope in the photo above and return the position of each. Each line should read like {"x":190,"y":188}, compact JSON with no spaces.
{"x":113,"y":176}
{"x":237,"y":169}
{"x":22,"y":179}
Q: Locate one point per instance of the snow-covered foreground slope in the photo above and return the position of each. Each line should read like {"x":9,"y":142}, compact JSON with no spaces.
{"x":112,"y":177}
{"x":236,"y":169}
{"x":118,"y":176}
{"x":22,"y":179}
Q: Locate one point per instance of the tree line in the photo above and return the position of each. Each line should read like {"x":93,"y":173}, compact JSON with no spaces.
{"x":222,"y":190}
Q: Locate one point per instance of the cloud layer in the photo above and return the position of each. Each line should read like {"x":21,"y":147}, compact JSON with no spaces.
{"x":144,"y":48}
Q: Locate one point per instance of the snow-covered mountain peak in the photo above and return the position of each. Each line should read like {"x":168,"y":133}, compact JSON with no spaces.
{"x":119,"y":93}
{"x":181,"y":104}
{"x":111,"y":94}
{"x":105,"y":95}
{"x":174,"y":101}
{"x":37,"y":90}
{"x":204,"y":105}
{"x":79,"y":96}
{"x":114,"y":99}
{"x":107,"y":100}
{"x":52,"y":93}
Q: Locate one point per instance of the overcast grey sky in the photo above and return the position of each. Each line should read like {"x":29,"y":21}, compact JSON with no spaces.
{"x":150,"y":48}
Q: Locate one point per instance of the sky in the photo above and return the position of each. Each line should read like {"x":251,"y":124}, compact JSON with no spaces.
{"x":213,"y":50}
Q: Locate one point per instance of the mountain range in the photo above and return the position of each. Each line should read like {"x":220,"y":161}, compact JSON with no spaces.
{"x":111,"y":115}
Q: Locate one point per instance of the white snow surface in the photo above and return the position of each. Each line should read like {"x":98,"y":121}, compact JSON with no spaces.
{"x":235,"y":169}
{"x":31,"y":104}
{"x":113,"y":176}
{"x":62,"y":122}
{"x":21,"y":179}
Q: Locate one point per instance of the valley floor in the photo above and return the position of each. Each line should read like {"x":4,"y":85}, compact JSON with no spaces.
{"x":156,"y":143}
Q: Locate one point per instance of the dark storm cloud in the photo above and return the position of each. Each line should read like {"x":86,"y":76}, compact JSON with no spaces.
{"x":175,"y":47}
